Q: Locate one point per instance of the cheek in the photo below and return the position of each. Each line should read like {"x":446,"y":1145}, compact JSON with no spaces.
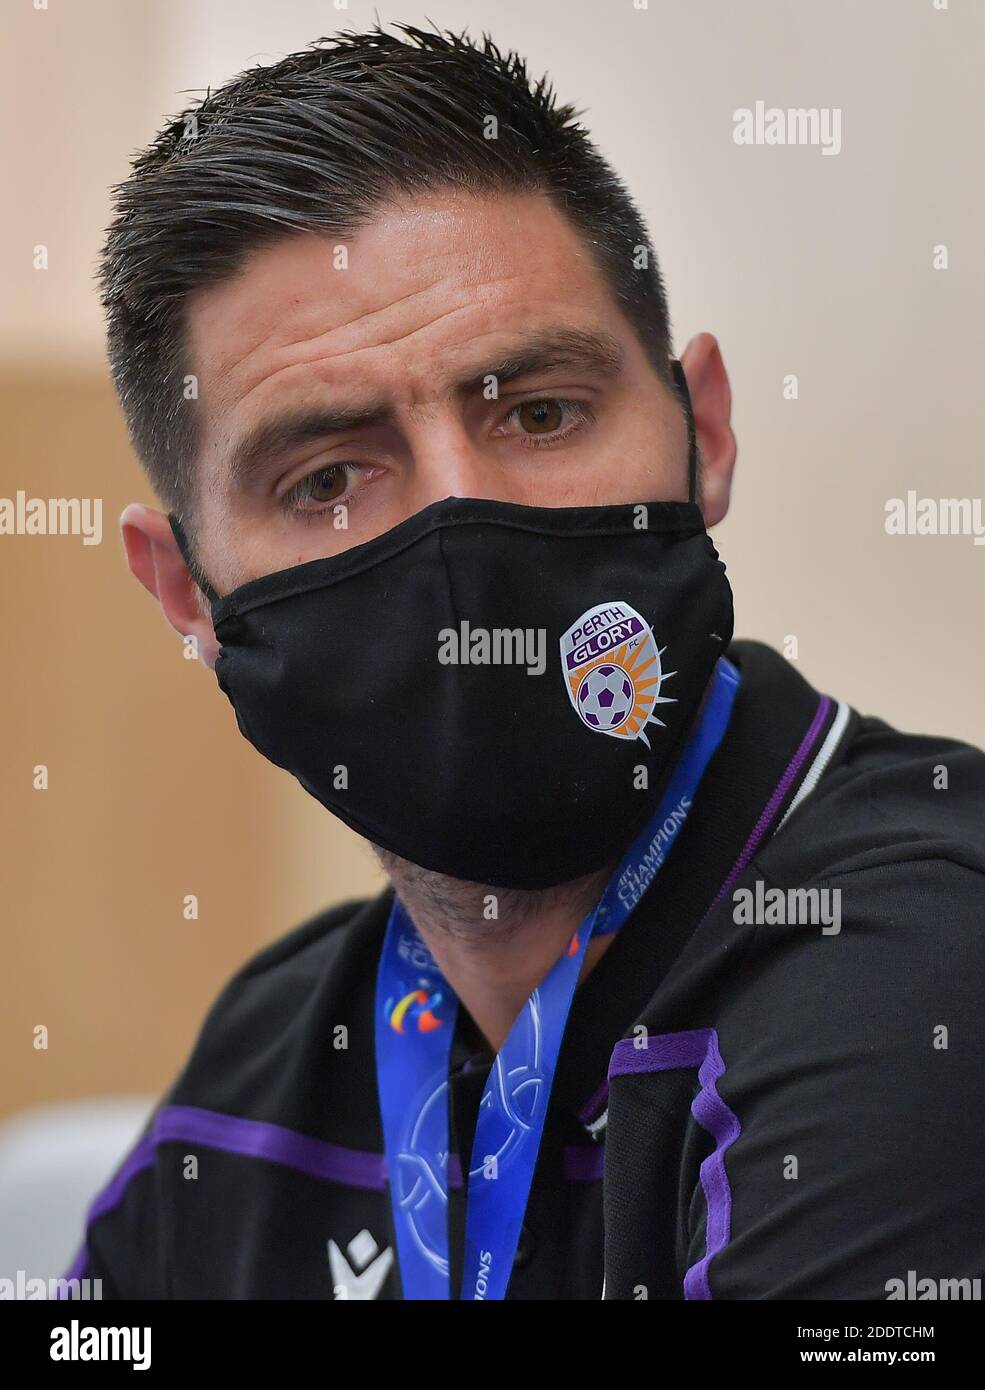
{"x":634,"y":455}
{"x":245,"y":547}
{"x":640,"y":457}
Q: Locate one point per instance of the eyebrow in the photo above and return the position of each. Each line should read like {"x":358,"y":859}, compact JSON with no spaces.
{"x":600,"y":354}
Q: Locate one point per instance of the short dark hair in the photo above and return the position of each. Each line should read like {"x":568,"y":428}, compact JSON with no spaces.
{"x":315,"y":143}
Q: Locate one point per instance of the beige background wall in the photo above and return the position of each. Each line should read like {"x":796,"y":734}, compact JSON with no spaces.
{"x":799,"y":262}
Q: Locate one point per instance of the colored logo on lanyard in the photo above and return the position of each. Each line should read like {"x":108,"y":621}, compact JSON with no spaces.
{"x":415,"y":1012}
{"x":612,"y":671}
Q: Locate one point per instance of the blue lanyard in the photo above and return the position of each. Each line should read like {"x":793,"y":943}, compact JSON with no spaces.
{"x":415,"y":1020}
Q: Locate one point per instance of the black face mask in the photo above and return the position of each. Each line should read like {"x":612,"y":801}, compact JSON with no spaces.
{"x":492,"y":691}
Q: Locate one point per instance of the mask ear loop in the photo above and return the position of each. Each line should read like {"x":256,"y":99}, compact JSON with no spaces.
{"x":692,"y":442}
{"x":199,"y":576}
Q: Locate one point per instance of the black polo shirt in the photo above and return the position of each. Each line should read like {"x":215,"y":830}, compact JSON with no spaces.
{"x":764,"y":1089}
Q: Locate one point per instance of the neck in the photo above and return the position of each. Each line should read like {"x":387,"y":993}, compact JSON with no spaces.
{"x":496,"y":945}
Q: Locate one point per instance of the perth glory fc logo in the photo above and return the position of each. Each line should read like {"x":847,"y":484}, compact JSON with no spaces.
{"x":612,"y":671}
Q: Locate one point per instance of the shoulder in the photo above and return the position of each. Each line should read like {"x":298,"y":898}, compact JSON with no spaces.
{"x":886,"y":800}
{"x":874,"y":884}
{"x":246,"y":1085}
{"x":866,"y":909}
{"x":303,"y":954}
{"x":306,"y":982}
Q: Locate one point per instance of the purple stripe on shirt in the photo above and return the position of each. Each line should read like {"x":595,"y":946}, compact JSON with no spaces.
{"x":258,"y":1139}
{"x":698,"y":1048}
{"x":775,"y":801}
{"x":140,"y":1158}
{"x":593,"y":1107}
{"x":188,"y":1124}
{"x":658,"y":1052}
{"x":251,"y":1139}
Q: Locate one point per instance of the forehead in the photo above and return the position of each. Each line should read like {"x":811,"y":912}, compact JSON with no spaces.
{"x":396,"y":310}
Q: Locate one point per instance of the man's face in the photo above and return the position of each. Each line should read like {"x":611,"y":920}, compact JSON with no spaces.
{"x":457,"y":346}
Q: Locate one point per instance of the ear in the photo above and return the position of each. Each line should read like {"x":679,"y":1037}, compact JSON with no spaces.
{"x":711,"y":400}
{"x":154,"y":559}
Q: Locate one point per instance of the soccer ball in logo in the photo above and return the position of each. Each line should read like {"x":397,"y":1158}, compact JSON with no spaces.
{"x":605,"y":697}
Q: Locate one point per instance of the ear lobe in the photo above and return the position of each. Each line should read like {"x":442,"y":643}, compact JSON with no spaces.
{"x":716,"y":492}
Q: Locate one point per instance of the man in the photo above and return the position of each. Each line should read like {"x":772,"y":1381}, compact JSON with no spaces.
{"x":675,"y":990}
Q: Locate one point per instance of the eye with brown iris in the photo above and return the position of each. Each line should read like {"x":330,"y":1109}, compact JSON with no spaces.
{"x":332,"y":480}
{"x":540,"y":417}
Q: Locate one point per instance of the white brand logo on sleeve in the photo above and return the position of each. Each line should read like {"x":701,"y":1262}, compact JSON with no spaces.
{"x":612,"y":671}
{"x":367,"y":1283}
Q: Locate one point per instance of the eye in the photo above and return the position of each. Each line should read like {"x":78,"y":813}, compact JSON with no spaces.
{"x":540,"y":417}
{"x":547,"y":420}
{"x":322,"y":486}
